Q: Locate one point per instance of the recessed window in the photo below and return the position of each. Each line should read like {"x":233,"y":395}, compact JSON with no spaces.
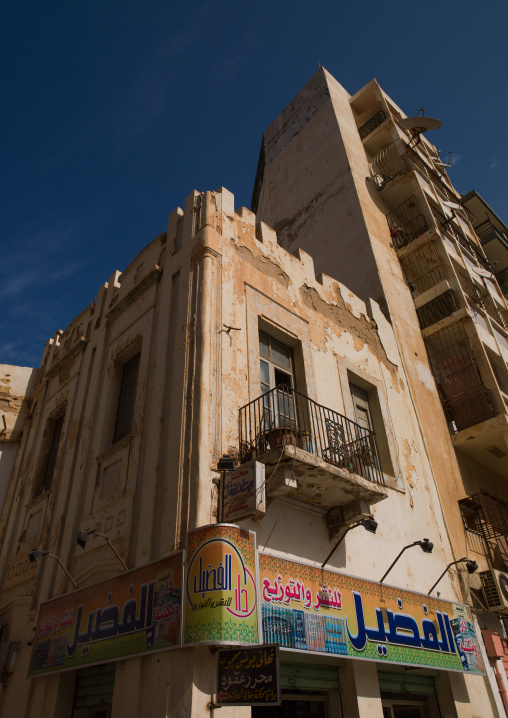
{"x":51,"y":445}
{"x":369,"y":416}
{"x":126,"y":399}
{"x":277,"y":381}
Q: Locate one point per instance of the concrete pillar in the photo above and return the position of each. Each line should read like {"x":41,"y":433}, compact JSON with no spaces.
{"x":360,"y":690}
{"x":464,"y":697}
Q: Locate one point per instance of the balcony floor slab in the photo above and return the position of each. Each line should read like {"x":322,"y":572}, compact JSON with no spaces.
{"x":475,"y":441}
{"x":319,"y":483}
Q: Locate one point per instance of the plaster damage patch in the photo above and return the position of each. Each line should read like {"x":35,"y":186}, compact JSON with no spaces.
{"x":410,"y":468}
{"x":263,"y":265}
{"x":424,"y":375}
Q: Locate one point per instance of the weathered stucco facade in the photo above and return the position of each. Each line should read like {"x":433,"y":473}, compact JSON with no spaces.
{"x":138,"y":399}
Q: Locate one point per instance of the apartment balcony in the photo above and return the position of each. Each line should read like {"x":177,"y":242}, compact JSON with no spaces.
{"x":485,"y":519}
{"x":367,"y":127}
{"x":471,"y":252}
{"x":475,"y":413}
{"x":398,"y":159}
{"x":407,"y":222}
{"x":471,"y":407}
{"x":485,"y":433}
{"x":311,"y":453}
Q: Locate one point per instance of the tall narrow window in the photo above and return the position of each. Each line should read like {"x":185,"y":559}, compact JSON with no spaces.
{"x":361,"y":405}
{"x":277,"y":382}
{"x":127,"y":398}
{"x":365,"y":445}
{"x":48,"y":464}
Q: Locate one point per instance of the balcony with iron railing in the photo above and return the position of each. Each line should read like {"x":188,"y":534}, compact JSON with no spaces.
{"x":398,"y":158}
{"x":469,"y":408}
{"x":377,"y":119}
{"x":331,"y":459}
{"x":407,"y":222}
{"x":471,"y":398}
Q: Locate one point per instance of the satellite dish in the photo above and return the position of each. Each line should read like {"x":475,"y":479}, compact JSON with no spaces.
{"x":452,"y":205}
{"x":420,"y":124}
{"x":483,"y":272}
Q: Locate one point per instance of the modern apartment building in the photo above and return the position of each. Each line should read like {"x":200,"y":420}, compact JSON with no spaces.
{"x":241,"y":443}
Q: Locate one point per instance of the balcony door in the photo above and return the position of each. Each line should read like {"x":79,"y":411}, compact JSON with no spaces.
{"x":277,"y":383}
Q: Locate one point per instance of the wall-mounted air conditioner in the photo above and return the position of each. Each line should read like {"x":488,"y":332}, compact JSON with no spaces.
{"x":495,"y":589}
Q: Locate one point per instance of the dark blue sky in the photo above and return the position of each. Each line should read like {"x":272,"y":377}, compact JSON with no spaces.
{"x":113,"y":112}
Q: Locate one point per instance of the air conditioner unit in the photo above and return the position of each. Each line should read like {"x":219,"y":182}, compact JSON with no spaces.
{"x":495,"y":590}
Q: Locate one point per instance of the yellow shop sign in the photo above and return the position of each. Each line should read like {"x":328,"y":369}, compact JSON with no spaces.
{"x":220,"y":586}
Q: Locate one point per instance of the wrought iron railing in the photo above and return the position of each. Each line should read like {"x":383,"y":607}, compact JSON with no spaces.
{"x":469,"y":408}
{"x":283,"y":416}
{"x":371,"y":124}
{"x":438,"y":308}
{"x":423,"y":269}
{"x":433,"y":176}
{"x":407,"y":222}
{"x":449,"y":227}
{"x":388,"y":163}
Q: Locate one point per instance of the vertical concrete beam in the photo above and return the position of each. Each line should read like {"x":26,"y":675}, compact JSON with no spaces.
{"x":360,"y":696}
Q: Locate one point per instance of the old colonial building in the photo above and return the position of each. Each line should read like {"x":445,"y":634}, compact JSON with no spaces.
{"x":330,"y":350}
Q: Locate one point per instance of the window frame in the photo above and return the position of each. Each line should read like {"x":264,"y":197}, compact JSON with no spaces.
{"x":126,"y":403}
{"x":50,"y":453}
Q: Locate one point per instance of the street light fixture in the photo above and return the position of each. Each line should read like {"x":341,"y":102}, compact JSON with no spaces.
{"x":83,"y":537}
{"x":369,"y":524}
{"x":425,"y":545}
{"x":36,"y":553}
{"x":471,"y":566}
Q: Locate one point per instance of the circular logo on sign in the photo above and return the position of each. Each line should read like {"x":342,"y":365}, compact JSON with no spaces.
{"x":217,"y":577}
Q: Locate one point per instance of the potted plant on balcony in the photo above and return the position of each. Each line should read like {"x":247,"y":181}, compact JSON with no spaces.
{"x":362,"y":458}
{"x":282,"y":435}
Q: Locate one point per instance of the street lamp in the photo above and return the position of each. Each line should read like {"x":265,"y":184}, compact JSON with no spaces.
{"x":369,"y":524}
{"x":471,"y":566}
{"x":83,"y":537}
{"x":36,"y":553}
{"x":425,"y":545}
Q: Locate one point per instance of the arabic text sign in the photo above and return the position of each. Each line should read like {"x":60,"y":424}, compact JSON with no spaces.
{"x":133,"y":613}
{"x":306,"y":608}
{"x":220,"y":586}
{"x":243,"y":491}
{"x":249,"y":676}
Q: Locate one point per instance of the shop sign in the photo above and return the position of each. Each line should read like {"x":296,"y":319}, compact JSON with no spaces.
{"x":308,"y":609}
{"x":244,"y":492}
{"x":134,"y":613}
{"x":220,"y":586}
{"x":249,"y":676}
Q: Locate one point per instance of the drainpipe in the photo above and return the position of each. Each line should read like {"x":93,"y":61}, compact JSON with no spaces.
{"x":500,"y":684}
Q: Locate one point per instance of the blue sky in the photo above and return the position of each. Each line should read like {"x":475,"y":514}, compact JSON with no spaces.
{"x":113,"y":112}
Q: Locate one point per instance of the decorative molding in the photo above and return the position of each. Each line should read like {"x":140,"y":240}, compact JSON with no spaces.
{"x":148,"y":280}
{"x":73,"y":352}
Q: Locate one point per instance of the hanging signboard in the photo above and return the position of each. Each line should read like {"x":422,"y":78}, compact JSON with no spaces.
{"x":136,"y":612}
{"x":306,"y":608}
{"x":249,"y":676}
{"x":243,"y":492}
{"x":220,"y":586}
